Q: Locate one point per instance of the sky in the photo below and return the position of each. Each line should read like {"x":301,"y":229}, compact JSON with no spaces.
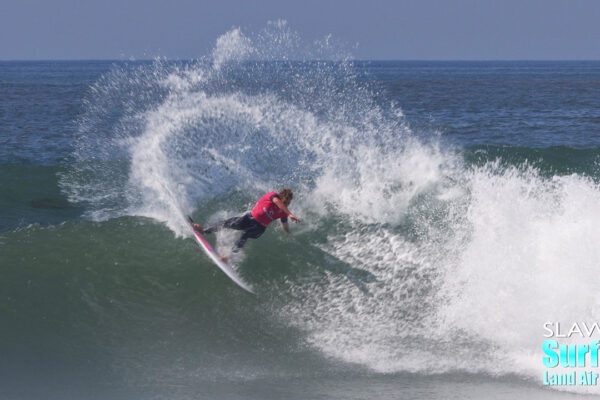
{"x":374,"y":29}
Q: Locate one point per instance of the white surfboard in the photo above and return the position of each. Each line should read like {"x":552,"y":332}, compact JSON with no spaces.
{"x":214,"y":256}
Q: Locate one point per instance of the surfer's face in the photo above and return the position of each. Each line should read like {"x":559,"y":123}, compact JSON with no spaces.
{"x":287,"y":202}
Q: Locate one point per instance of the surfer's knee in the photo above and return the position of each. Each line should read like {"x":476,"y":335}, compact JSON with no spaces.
{"x":240,"y":243}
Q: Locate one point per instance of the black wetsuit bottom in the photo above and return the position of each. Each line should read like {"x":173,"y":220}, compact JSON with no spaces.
{"x":251,"y":227}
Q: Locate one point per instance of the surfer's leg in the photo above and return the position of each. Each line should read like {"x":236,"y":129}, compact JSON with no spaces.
{"x":240,"y":243}
{"x":237,"y":223}
{"x":252,"y":233}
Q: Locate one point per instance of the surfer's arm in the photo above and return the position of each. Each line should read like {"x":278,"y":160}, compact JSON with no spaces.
{"x":280,"y":204}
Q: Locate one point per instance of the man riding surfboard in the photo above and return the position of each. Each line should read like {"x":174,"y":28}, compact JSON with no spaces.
{"x":269,"y":207}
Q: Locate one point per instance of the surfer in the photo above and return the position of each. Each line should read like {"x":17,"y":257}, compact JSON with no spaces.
{"x":270,"y":207}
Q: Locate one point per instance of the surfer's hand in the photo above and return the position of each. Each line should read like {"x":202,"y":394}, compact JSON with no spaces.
{"x":286,"y":227}
{"x":294,"y":218}
{"x":224,"y":258}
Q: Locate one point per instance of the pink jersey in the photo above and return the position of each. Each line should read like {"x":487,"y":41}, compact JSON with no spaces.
{"x":265,"y":211}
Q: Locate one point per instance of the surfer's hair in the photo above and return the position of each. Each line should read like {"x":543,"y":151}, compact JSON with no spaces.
{"x":286,"y":194}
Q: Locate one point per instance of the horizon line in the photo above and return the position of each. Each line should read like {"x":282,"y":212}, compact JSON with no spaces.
{"x":316,"y":59}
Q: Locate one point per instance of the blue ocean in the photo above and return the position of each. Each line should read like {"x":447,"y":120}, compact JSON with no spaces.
{"x":449,"y":209}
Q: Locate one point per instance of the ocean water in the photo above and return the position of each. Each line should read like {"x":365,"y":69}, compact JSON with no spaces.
{"x":449,"y":209}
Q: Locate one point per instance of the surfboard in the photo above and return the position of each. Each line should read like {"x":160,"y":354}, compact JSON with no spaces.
{"x":214,"y":256}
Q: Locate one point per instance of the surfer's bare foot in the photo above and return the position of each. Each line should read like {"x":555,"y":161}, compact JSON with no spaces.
{"x":224,"y":258}
{"x":199,"y":228}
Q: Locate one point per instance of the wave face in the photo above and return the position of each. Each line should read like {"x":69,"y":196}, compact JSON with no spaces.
{"x":416,"y":253}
